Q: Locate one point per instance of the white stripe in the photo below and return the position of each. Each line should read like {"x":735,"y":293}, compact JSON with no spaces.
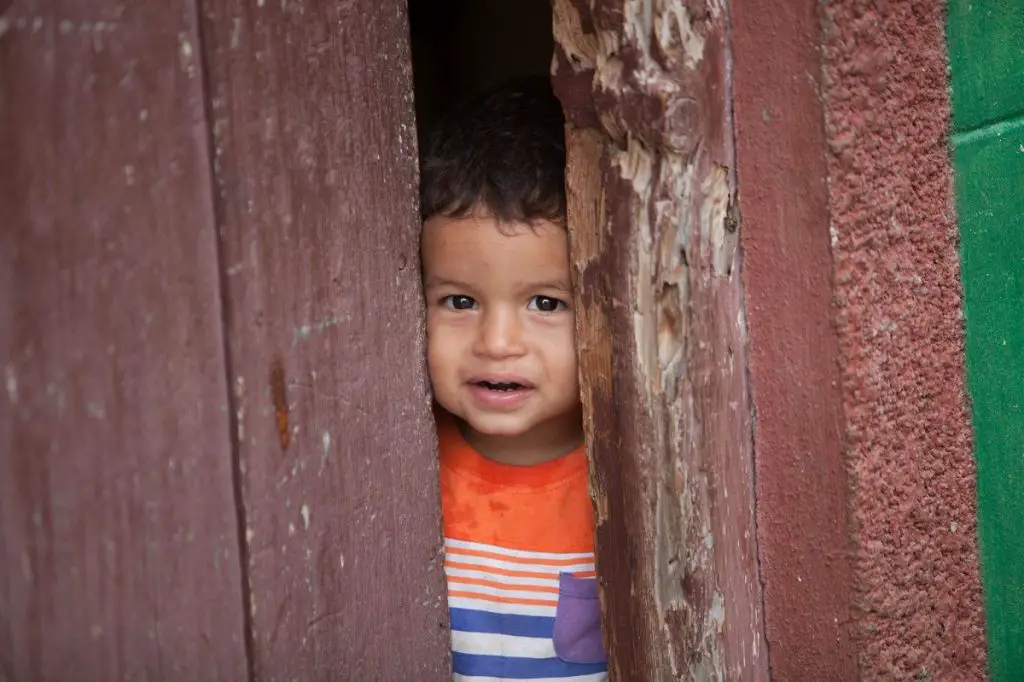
{"x":518,"y":593}
{"x":491,"y":644}
{"x":596,"y":677}
{"x":547,"y":611}
{"x":517,"y":553}
{"x":524,"y":568}
{"x":499,"y":578}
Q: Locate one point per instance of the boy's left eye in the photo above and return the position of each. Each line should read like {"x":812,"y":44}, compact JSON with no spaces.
{"x":546,"y":304}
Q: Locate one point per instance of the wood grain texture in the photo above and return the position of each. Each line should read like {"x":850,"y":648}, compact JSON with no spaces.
{"x":119,"y":548}
{"x":317,"y":200}
{"x":661,"y":336}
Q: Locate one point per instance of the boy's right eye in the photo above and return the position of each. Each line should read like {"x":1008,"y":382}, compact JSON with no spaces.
{"x":459,"y":302}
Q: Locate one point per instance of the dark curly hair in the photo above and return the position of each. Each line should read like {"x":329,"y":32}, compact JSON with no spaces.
{"x":502,"y":150}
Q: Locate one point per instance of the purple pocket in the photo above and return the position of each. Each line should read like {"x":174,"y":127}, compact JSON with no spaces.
{"x":578,"y":621}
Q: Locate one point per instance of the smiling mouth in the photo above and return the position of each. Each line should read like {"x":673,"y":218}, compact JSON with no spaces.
{"x":501,"y":386}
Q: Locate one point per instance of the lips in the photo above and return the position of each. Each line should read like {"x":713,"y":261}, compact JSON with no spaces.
{"x":501,"y":382}
{"x":500,"y":392}
{"x":504,"y":386}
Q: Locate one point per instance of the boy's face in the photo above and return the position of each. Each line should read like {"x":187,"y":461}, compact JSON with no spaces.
{"x":500,"y":328}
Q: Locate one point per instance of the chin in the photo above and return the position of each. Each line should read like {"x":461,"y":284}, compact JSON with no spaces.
{"x":499,"y":427}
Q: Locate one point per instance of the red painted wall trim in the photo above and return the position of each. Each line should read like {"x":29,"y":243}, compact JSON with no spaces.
{"x":802,"y":486}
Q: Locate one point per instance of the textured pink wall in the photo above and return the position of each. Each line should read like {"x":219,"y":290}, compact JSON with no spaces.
{"x":898,"y":301}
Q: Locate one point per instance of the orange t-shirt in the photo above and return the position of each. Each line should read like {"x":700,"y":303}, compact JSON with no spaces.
{"x":519,"y":559}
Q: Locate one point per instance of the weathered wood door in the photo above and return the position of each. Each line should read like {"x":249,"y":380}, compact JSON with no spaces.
{"x":661,"y":335}
{"x":217,"y":458}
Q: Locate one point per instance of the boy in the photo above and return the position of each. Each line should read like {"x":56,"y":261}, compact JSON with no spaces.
{"x":518,"y":521}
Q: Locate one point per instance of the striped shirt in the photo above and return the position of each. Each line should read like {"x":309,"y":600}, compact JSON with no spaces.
{"x":519,"y":559}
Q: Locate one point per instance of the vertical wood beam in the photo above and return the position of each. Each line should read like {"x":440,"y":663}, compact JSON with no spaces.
{"x":317,"y":196}
{"x":119,"y":547}
{"x":662,"y":340}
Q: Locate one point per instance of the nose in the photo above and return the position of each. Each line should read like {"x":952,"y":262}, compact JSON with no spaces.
{"x":500,"y":334}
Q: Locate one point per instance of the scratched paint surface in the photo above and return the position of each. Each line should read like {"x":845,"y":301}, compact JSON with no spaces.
{"x":314,"y":156}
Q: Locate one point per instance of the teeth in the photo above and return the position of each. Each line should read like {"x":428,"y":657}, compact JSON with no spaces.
{"x":500,"y":386}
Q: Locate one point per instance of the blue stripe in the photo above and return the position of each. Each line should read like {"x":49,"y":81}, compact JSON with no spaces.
{"x":471,"y":620}
{"x":521,"y":668}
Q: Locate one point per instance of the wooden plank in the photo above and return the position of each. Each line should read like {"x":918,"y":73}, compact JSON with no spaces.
{"x":315,"y":156}
{"x":120,"y":547}
{"x":661,"y":337}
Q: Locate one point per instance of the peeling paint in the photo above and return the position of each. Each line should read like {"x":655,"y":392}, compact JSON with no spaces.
{"x":659,"y":280}
{"x":236,"y":32}
{"x":325,"y":440}
{"x":186,"y":52}
{"x":714,"y":209}
{"x":674,"y":21}
{"x":96,"y":410}
{"x":304,"y":331}
{"x":11,"y":380}
{"x":580,"y":47}
{"x":240,"y":423}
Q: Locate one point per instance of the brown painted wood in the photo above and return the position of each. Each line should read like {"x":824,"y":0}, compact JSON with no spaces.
{"x":119,"y":547}
{"x":662,"y":337}
{"x":315,"y":161}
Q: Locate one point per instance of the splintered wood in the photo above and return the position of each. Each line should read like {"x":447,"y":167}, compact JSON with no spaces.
{"x":662,"y":340}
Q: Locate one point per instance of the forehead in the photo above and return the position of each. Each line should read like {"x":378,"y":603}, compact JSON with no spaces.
{"x":473,"y":248}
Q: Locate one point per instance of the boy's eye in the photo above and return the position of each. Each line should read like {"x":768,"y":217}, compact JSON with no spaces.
{"x":546,"y":304}
{"x":459,"y":302}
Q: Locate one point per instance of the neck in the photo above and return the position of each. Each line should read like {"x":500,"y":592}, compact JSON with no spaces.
{"x":545,"y":442}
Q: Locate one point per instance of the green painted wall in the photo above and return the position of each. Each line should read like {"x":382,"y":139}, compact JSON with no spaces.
{"x":986,"y":50}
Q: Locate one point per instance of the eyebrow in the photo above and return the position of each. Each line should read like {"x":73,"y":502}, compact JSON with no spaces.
{"x":551,"y":284}
{"x":559,"y":284}
{"x":435,"y":282}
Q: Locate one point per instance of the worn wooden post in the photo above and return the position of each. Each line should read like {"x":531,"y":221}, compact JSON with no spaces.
{"x":661,"y":335}
{"x":315,"y":166}
{"x":119,"y":548}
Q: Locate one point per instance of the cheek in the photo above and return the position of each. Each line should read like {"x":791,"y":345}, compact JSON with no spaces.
{"x":569,"y":360}
{"x":560,"y":345}
{"x":443,"y":349}
{"x":570,"y":371}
